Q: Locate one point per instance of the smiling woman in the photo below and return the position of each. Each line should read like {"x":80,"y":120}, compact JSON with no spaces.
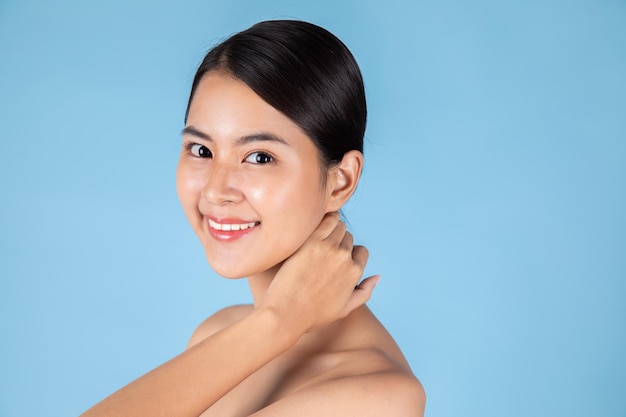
{"x":272,"y":149}
{"x":232,"y":174}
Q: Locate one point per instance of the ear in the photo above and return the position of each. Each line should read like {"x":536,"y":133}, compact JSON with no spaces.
{"x":343,"y":179}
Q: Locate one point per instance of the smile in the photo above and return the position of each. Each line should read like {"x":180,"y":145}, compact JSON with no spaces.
{"x":227,"y":227}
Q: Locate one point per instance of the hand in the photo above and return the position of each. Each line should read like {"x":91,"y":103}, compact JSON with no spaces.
{"x":317,"y":285}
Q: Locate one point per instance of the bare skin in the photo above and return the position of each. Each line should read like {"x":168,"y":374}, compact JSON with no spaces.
{"x":353,"y":367}
{"x":192,"y":382}
{"x":308,"y":346}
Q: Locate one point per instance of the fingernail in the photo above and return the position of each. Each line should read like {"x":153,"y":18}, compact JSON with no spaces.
{"x":376,"y":280}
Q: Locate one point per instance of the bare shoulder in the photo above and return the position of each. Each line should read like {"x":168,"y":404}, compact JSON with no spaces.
{"x":387,"y":393}
{"x":380,"y":388}
{"x":219,"y":320}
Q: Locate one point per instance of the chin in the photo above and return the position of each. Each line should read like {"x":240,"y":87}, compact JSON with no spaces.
{"x":238,"y":271}
{"x":230,"y":273}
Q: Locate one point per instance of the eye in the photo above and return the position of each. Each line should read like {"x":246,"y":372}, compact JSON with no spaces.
{"x":259,"y":158}
{"x":200,"y":151}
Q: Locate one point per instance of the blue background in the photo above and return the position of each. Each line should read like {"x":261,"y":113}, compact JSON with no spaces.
{"x":493,"y":201}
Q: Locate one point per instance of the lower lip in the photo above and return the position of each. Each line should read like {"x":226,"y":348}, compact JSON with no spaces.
{"x":225,"y":236}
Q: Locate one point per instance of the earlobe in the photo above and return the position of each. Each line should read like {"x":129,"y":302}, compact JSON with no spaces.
{"x":343,"y":179}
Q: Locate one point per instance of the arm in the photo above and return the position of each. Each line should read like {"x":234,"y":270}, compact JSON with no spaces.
{"x":313,"y":288}
{"x":194,"y":380}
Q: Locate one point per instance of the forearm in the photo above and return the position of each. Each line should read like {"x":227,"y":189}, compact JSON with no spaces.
{"x":193,"y":381}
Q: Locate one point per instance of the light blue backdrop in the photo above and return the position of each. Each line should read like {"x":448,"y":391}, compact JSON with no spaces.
{"x":493,"y":203}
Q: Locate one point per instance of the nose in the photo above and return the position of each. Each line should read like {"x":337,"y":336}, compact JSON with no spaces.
{"x":220,"y":187}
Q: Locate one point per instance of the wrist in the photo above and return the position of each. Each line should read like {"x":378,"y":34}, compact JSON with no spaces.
{"x":283,"y":328}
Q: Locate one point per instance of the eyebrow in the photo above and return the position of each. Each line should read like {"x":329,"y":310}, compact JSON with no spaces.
{"x":256,"y":137}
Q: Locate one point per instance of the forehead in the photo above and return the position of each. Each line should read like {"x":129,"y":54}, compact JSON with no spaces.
{"x":225,"y":106}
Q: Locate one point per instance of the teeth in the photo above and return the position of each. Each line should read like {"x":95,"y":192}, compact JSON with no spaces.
{"x":229,"y":227}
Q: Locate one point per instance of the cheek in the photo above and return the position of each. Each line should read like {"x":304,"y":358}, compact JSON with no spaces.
{"x":265,"y":189}
{"x":188,"y":186}
{"x":258,"y":191}
{"x":300,"y":200}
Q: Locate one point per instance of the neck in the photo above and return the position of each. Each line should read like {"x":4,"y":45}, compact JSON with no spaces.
{"x":259,"y":283}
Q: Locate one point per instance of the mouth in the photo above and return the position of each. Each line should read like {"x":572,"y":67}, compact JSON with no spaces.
{"x":227,"y":227}
{"x":229,"y":230}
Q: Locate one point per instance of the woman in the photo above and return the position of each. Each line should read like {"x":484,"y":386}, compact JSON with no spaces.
{"x":272,"y":149}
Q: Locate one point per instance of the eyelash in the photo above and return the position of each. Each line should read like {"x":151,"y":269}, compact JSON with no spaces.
{"x":267,"y":157}
{"x":189,"y":147}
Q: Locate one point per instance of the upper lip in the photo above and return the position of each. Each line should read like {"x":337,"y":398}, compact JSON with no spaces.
{"x":229,"y":220}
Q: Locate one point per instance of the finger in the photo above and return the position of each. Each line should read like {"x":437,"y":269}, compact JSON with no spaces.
{"x":361,"y":293}
{"x":360,"y":255}
{"x":348,"y":241}
{"x":338,"y":233}
{"x":327,"y":225}
{"x":368,"y":283}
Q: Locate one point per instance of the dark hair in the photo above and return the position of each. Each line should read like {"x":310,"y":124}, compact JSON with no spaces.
{"x":303,"y":71}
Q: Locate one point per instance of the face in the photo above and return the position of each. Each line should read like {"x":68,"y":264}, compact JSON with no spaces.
{"x":248,"y":179}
